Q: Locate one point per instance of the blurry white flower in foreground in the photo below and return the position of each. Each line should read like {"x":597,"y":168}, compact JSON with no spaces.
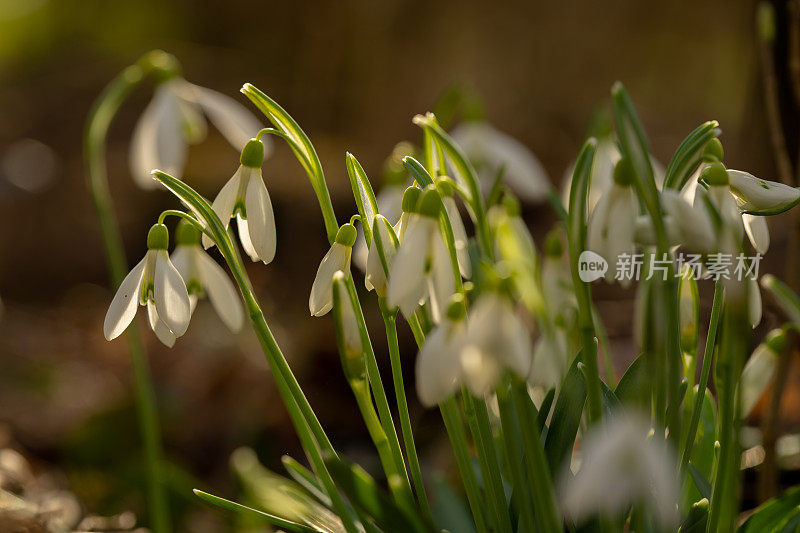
{"x":203,"y":276}
{"x":338,"y":258}
{"x":154,"y":283}
{"x":621,"y":465}
{"x":760,"y":369}
{"x":490,"y":150}
{"x":245,"y":196}
{"x":422,"y":269}
{"x":176,"y":118}
{"x":612,"y":225}
{"x":438,"y":366}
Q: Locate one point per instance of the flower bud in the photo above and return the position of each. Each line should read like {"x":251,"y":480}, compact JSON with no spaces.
{"x":553,"y":247}
{"x":623,"y":172}
{"x":410,"y":199}
{"x":760,"y":368}
{"x":158,"y":237}
{"x":715,"y":174}
{"x":348,"y":334}
{"x":346,"y":235}
{"x":713,"y":152}
{"x":252,"y":154}
{"x":186,"y":234}
{"x":430,"y":203}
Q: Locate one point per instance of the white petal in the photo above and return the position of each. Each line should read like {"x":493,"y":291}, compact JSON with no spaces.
{"x":754,"y":308}
{"x":757,"y":231}
{"x":761,"y":196}
{"x":696,"y":229}
{"x":321,"y":299}
{"x":260,"y":218}
{"x":123,"y":306}
{"x":233,"y":120}
{"x":621,"y":225}
{"x":490,"y":150}
{"x":171,"y":298}
{"x":756,"y":376}
{"x":244,"y":237}
{"x":499,"y":333}
{"x":459,"y":236}
{"x":549,"y":362}
{"x":182,"y":260}
{"x":407,"y":273}
{"x":438,"y":366}
{"x":221,"y":292}
{"x":481,"y":372}
{"x":440,"y":279}
{"x":224,"y":203}
{"x":158,"y":326}
{"x":158,"y":140}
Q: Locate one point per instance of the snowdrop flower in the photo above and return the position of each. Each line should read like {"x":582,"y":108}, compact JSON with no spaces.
{"x":491,"y":150}
{"x":694,"y":226}
{"x":622,"y":466}
{"x":550,"y":359}
{"x":381,"y":255}
{"x":612,"y":225}
{"x":175,"y":119}
{"x":761,"y":197}
{"x":338,"y":258}
{"x":557,"y":287}
{"x":438,"y":367}
{"x":154,"y":283}
{"x":245,"y":196}
{"x":720,"y":197}
{"x":496,"y":340}
{"x":389,"y":200}
{"x":204,"y":276}
{"x":422,"y":269}
{"x":754,"y":308}
{"x":348,"y":333}
{"x":760,"y":369}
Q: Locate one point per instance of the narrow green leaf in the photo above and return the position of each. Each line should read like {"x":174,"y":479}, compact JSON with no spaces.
{"x":544,"y":408}
{"x":364,"y":196}
{"x":634,"y":386}
{"x":566,"y":418}
{"x":700,"y":481}
{"x":229,"y":505}
{"x":772,"y":513}
{"x":364,"y":493}
{"x":305,"y":478}
{"x":417,"y":171}
{"x":688,"y":155}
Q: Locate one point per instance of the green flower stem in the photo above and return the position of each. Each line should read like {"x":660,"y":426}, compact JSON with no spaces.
{"x":378,"y":391}
{"x":705,"y":370}
{"x":522,"y":489}
{"x":478,"y":419}
{"x":389,"y":320}
{"x":724,"y":508}
{"x":538,"y":471}
{"x":458,"y":440}
{"x":309,"y":430}
{"x":94,"y":147}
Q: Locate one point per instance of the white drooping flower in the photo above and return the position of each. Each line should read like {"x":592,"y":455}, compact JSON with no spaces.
{"x":760,"y":369}
{"x":761,"y":197}
{"x":338,"y":258}
{"x":492,"y":151}
{"x":422,"y":270}
{"x":497,"y":340}
{"x":460,"y":238}
{"x":156,"y":284}
{"x":245,"y":197}
{"x":389,"y":200}
{"x":621,"y":466}
{"x":381,"y":255}
{"x":348,"y":333}
{"x":612,"y":225}
{"x":693,"y":224}
{"x":176,"y":118}
{"x":438,"y":367}
{"x":204,"y":277}
{"x":550,"y":359}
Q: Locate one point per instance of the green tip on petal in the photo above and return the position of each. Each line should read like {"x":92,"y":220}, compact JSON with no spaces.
{"x":776,"y":340}
{"x":187,"y":234}
{"x":252,"y":154}
{"x":410,"y":199}
{"x":713,"y":152}
{"x":623,"y":172}
{"x":346,"y":235}
{"x":715,"y":174}
{"x":430,"y":203}
{"x":158,"y":237}
{"x":457,"y":308}
{"x":553,"y":247}
{"x":164,"y":66}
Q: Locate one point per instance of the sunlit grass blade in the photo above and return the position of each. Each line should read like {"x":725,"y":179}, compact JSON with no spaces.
{"x":229,"y":505}
{"x":364,"y":195}
{"x":305,"y":478}
{"x":303,"y":150}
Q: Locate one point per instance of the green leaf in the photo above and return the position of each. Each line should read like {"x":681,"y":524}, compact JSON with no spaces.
{"x":634,"y":386}
{"x":702,"y":451}
{"x":696,"y":519}
{"x":362,"y":491}
{"x":544,"y":408}
{"x":450,"y":511}
{"x":305,"y":478}
{"x":700,"y":481}
{"x":229,"y":505}
{"x":688,"y":155}
{"x":303,"y":150}
{"x":772,"y":513}
{"x":365,"y":197}
{"x":578,"y":193}
{"x":417,"y":171}
{"x":566,"y":418}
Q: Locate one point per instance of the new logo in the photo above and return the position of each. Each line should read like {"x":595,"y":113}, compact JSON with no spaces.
{"x":591,"y":266}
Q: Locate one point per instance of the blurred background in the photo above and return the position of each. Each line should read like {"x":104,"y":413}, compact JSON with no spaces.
{"x":352,"y":73}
